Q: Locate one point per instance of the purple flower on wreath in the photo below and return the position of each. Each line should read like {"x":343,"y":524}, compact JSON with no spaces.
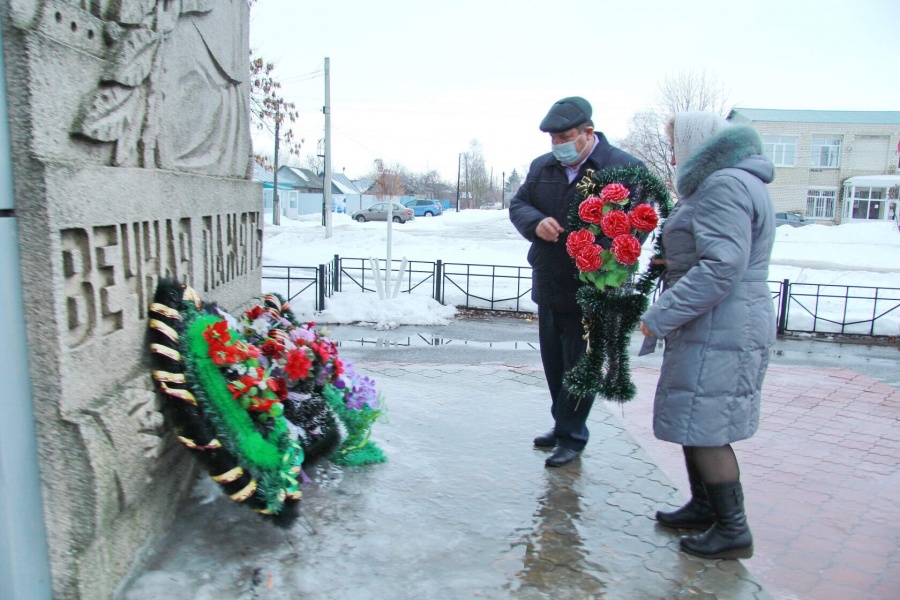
{"x":301,"y":333}
{"x":361,"y":390}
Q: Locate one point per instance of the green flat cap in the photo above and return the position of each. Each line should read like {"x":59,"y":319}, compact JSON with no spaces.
{"x":565,"y":114}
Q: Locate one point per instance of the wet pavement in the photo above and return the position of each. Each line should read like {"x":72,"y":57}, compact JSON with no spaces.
{"x":464,"y":507}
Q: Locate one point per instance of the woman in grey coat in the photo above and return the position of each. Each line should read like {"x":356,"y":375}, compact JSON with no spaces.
{"x":717,"y":317}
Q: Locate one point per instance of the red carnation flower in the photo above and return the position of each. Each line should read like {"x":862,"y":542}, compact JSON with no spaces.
{"x":278,"y":386}
{"x":615,"y":223}
{"x":338,"y":367}
{"x":577,"y":240}
{"x":243,"y":385}
{"x":591,"y":210}
{"x":626,"y":248}
{"x":218,"y":331}
{"x":614,"y":192}
{"x":223,"y":355}
{"x":272,"y":349}
{"x":643,"y":217}
{"x":588,"y":259}
{"x":298,"y":364}
{"x":263,"y":405}
{"x":255,"y":313}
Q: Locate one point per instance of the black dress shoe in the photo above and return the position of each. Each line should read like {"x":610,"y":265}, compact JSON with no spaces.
{"x":562,"y":456}
{"x":546,"y":440}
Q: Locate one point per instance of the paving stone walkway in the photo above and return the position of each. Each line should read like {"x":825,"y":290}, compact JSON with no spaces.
{"x":821,"y":481}
{"x":464,"y":508}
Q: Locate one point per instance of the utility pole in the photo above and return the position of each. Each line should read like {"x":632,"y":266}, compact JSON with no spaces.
{"x":327,"y":110}
{"x":491,"y":186}
{"x":467,"y":179}
{"x":276,"y":203}
{"x":458,"y":171}
{"x":503,"y":189}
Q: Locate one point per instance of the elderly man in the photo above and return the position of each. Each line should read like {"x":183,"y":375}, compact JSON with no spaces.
{"x":539,"y":211}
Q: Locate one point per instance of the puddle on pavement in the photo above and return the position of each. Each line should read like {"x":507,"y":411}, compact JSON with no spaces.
{"x":417,"y":341}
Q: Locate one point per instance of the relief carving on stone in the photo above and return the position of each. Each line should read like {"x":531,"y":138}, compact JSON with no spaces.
{"x":127,"y":445}
{"x":111,"y":269}
{"x":232,"y":247}
{"x":173,"y":91}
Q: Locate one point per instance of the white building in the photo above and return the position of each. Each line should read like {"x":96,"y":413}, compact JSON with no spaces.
{"x":817,"y":153}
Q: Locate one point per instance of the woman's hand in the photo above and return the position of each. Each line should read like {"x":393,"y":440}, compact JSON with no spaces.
{"x":645,"y":331}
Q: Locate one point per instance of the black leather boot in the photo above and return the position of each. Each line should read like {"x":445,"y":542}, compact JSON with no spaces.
{"x":696,"y":514}
{"x":730,"y":536}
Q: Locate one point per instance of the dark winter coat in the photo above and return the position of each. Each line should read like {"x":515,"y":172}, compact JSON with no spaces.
{"x":716,"y":313}
{"x":548,"y":193}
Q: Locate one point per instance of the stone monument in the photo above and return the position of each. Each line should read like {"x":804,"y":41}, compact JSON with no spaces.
{"x":131,"y":153}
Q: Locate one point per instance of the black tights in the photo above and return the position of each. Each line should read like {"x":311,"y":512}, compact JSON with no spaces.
{"x":711,"y":464}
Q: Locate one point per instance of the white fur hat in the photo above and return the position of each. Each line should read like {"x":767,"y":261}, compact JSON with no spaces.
{"x":692,"y":129}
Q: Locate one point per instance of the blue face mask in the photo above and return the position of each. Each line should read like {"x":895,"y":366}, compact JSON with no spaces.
{"x":566,"y":153}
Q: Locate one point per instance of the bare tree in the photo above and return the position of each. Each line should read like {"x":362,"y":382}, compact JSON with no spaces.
{"x":269,"y":110}
{"x":477,"y":181}
{"x":428,"y":183}
{"x":389,"y":180}
{"x":314,"y":163}
{"x":647,"y":139}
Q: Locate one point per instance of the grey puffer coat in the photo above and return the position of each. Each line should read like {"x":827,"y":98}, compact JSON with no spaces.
{"x":716,"y":313}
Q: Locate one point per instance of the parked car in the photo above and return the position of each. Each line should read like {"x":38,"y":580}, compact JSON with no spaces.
{"x":792,"y":219}
{"x":425,"y":208}
{"x":379,"y":211}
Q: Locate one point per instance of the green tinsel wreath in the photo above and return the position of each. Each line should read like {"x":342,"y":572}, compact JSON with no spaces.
{"x":257,"y":464}
{"x":613,"y":303}
{"x":269,"y":455}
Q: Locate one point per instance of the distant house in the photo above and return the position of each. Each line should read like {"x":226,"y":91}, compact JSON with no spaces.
{"x":267,"y":179}
{"x":303,"y":181}
{"x":817,"y":153}
{"x":306,"y":193}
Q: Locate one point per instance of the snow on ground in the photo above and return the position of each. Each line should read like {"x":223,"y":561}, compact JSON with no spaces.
{"x":853,"y":254}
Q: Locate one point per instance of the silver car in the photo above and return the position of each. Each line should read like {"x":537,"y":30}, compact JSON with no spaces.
{"x":792,"y":219}
{"x":379,"y":212}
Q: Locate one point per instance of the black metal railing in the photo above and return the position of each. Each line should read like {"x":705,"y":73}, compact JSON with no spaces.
{"x":292,"y":281}
{"x":839,"y":309}
{"x":492,"y":287}
{"x":799,"y":307}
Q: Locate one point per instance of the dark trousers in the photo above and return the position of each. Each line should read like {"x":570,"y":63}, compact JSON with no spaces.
{"x":562,"y":345}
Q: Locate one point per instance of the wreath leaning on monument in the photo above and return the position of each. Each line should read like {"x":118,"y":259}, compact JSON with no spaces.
{"x":255,"y":397}
{"x":615,"y":213}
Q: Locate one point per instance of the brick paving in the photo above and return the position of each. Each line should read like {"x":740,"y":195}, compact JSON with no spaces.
{"x":821,"y":481}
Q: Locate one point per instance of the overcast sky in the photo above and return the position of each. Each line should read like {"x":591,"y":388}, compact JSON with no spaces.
{"x":414,"y":82}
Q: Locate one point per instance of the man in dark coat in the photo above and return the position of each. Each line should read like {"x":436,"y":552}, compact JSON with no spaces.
{"x":539,"y":211}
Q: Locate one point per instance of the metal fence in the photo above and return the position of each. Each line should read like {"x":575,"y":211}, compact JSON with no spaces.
{"x":799,"y":307}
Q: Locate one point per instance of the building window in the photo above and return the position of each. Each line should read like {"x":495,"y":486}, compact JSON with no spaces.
{"x":868,"y":203}
{"x":820,"y":204}
{"x":781,"y":150}
{"x":825,"y":152}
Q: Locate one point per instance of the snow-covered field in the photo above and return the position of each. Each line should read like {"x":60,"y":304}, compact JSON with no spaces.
{"x":856,"y":255}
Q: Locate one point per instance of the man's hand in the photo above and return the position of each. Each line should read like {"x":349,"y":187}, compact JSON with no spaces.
{"x":645,"y":331}
{"x":549,"y":230}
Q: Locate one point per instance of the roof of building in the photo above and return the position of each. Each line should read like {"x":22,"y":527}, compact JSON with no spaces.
{"x":364,"y":185}
{"x":843,"y":117}
{"x":873,"y":180}
{"x":267,"y":178}
{"x":343,"y":184}
{"x":299,"y":177}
